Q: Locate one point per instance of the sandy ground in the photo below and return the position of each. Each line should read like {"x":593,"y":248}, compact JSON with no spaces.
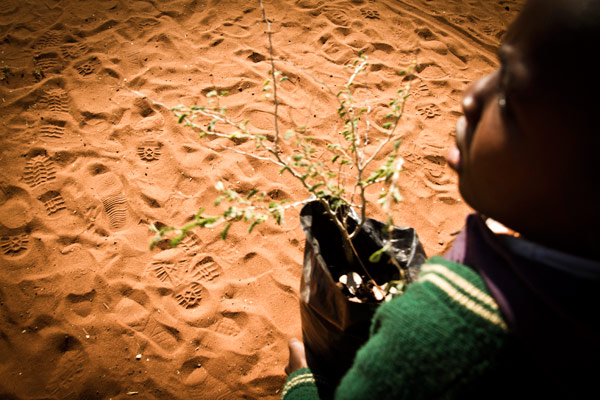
{"x":90,"y":157}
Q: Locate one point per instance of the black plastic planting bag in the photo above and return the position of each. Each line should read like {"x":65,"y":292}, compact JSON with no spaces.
{"x":333,"y":327}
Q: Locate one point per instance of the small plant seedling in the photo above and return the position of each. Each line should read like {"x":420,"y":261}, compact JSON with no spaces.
{"x":361,"y":154}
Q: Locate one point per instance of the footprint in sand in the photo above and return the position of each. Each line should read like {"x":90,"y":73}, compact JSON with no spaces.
{"x":15,"y":208}
{"x":88,"y":66}
{"x":149,"y":151}
{"x":67,"y":382}
{"x":429,"y":111}
{"x":74,"y":50}
{"x":137,"y":318}
{"x":309,"y":3}
{"x":55,"y":100}
{"x":421,"y":90}
{"x":338,"y":17}
{"x":14,"y":246}
{"x":161,"y":335}
{"x":189,"y":296}
{"x":53,"y":129}
{"x":110,"y":191}
{"x":229,"y":323}
{"x":53,"y":202}
{"x":184,"y":273}
{"x":186,"y":270}
{"x":39,"y":170}
{"x":47,"y":63}
{"x":49,"y":39}
{"x":369,"y":13}
{"x":191,"y":244}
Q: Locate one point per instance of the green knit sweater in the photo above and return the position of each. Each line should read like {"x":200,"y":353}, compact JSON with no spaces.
{"x":442,"y":339}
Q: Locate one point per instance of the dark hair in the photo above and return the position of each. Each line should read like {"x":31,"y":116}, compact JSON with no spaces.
{"x":563,"y":57}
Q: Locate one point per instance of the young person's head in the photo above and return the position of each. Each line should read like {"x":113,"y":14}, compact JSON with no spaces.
{"x":526,"y":146}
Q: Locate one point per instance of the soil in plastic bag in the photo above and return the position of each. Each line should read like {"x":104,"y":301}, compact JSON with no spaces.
{"x":333,"y":327}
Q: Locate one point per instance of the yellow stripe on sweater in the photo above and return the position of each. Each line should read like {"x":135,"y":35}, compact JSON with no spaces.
{"x":297,"y":380}
{"x":464,"y":301}
{"x":462,"y":284}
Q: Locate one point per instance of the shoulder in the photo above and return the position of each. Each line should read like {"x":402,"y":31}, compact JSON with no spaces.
{"x":446,"y":293}
{"x":442,"y":334}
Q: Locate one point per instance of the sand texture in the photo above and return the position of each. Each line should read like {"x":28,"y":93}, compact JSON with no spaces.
{"x":90,"y":155}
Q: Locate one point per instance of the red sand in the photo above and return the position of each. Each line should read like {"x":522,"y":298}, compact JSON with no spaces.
{"x":86,"y":310}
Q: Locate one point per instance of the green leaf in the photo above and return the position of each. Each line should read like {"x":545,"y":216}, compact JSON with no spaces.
{"x":225,"y":230}
{"x":207,"y":221}
{"x":219,"y":200}
{"x":376,"y":256}
{"x":316,"y":185}
{"x":334,"y":159}
{"x":253,"y":225}
{"x":278,"y":217}
{"x":181,"y":118}
{"x":252,"y":193}
{"x":388,"y":125}
{"x":224,"y":92}
{"x":199,"y":214}
{"x":285,"y":78}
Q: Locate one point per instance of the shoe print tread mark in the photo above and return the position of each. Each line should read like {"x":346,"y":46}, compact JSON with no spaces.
{"x":422,"y":90}
{"x":227,"y":327}
{"x":87,"y":67}
{"x":115,"y":206}
{"x":74,"y":50}
{"x":149,"y":151}
{"x":53,"y":202}
{"x":369,"y":13}
{"x":55,"y":100}
{"x":13,"y":246}
{"x":206,"y":269}
{"x":190,"y":296}
{"x":338,"y":17}
{"x":49,"y":39}
{"x":48,"y":62}
{"x":182,"y":272}
{"x":191,"y":244}
{"x":68,"y":375}
{"x":160,"y":335}
{"x":429,"y":111}
{"x":55,"y":129}
{"x":39,"y":170}
{"x":163,"y":271}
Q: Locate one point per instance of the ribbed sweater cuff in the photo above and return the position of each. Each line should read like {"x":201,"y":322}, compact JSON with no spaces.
{"x":300,"y":385}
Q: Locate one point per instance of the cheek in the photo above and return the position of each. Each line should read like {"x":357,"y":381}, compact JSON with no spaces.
{"x":493,"y":166}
